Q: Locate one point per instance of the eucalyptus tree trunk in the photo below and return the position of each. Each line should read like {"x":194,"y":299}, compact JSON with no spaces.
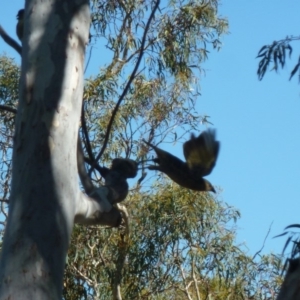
{"x":45,"y":196}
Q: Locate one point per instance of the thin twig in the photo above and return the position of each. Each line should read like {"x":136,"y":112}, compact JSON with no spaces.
{"x":87,"y":279}
{"x":4,"y":201}
{"x":263,"y":245}
{"x":8,"y":108}
{"x":88,"y":61}
{"x":186,"y":285}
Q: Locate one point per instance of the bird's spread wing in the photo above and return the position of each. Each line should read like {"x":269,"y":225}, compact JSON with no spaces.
{"x":201,"y":152}
{"x":179,"y":171}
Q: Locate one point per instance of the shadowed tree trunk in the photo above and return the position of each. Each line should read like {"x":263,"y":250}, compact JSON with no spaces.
{"x":45,"y":196}
{"x":290,"y":288}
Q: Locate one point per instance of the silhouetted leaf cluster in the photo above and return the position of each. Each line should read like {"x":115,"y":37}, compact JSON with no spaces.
{"x":274,"y":56}
{"x":293,"y":240}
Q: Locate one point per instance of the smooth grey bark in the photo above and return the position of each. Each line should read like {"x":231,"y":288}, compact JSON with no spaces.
{"x":45,"y":195}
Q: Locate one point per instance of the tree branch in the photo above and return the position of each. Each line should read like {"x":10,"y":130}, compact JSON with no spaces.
{"x":122,"y":253}
{"x":96,"y":209}
{"x":86,"y":135}
{"x":8,"y":108}
{"x":84,"y":177}
{"x":132,"y":76}
{"x":10,"y":41}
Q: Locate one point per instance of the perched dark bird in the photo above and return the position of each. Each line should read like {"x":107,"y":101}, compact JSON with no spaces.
{"x":116,"y":178}
{"x":200,"y":153}
{"x":127,"y":168}
{"x":20,"y":24}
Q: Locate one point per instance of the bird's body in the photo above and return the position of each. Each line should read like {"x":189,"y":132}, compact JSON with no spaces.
{"x":116,"y":178}
{"x":200,"y":153}
{"x":20,"y":24}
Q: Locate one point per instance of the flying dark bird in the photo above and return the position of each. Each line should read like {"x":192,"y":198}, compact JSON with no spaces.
{"x":20,"y":24}
{"x":200,"y":154}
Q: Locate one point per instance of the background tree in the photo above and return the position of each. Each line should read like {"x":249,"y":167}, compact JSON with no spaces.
{"x":173,"y":241}
{"x":181,"y":245}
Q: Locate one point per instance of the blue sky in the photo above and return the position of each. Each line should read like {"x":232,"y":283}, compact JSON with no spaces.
{"x":258,"y":122}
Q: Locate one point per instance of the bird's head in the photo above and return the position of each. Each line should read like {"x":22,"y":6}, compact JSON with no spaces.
{"x":125,"y":166}
{"x":208,"y":186}
{"x":20,"y":14}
